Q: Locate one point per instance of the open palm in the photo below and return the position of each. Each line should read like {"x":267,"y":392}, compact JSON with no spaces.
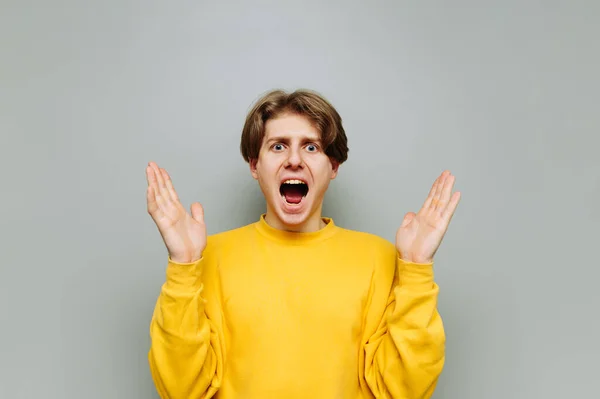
{"x":184,"y":234}
{"x":421,"y":234}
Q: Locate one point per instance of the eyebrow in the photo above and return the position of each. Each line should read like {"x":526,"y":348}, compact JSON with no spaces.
{"x":283,"y":139}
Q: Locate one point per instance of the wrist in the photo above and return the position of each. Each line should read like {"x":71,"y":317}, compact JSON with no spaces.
{"x":409,"y":258}
{"x":186,"y":258}
{"x":422,"y":261}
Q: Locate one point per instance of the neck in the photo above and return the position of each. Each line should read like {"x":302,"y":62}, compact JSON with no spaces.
{"x":313,"y":223}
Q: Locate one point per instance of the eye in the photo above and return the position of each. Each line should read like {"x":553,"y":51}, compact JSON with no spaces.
{"x":277,"y":147}
{"x":311,"y":148}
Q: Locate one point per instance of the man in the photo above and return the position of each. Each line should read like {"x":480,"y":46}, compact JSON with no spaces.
{"x":294,"y":306}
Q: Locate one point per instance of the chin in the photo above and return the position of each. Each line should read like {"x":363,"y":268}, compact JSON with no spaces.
{"x":293,"y":215}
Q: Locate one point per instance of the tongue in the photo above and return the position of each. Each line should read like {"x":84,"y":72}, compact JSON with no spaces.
{"x":293,"y":194}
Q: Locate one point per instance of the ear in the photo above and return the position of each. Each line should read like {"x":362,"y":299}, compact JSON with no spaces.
{"x":253,"y":170}
{"x":335,"y":165}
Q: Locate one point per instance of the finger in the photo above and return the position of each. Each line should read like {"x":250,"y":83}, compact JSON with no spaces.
{"x":169,"y":184}
{"x":153,"y":176}
{"x":407,"y":219}
{"x":447,"y":190}
{"x":148,"y":172}
{"x":150,"y":200}
{"x":162,"y":189}
{"x":163,"y":202}
{"x":153,"y":208}
{"x":156,"y":199}
{"x":435,"y":203}
{"x":197,"y":212}
{"x":150,"y":176}
{"x":451,"y":208}
{"x":430,"y":196}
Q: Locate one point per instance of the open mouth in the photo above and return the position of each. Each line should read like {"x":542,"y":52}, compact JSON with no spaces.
{"x":293,"y":191}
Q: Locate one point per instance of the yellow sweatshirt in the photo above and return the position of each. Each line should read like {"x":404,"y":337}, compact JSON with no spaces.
{"x":272,"y":314}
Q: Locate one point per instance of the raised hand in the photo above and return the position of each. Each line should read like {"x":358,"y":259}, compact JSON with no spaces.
{"x":183,"y":234}
{"x":421,"y":234}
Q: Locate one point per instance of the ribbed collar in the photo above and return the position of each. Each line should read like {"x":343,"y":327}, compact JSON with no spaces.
{"x":294,"y":238}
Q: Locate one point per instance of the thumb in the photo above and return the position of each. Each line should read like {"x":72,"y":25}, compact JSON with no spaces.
{"x":408,"y":218}
{"x":197,"y":212}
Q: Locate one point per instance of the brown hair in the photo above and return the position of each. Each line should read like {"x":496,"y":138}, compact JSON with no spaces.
{"x":302,"y":102}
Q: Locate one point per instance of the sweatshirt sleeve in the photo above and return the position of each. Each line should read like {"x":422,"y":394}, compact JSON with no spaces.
{"x":405,"y":347}
{"x":187,"y":353}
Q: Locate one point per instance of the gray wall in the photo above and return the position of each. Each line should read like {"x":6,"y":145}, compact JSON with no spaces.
{"x":504,"y":94}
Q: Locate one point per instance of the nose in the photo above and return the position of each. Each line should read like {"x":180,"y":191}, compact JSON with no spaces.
{"x":294,"y":159}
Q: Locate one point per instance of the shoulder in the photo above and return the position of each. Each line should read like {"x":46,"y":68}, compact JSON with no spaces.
{"x":369,"y":242}
{"x":230,"y":237}
{"x":219,"y":245}
{"x":373,"y":252}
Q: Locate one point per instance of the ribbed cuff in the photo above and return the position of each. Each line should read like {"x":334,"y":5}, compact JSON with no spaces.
{"x":415,"y":275}
{"x":184,"y":276}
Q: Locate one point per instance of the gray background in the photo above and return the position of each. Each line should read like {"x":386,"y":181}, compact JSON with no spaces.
{"x":504,"y":94}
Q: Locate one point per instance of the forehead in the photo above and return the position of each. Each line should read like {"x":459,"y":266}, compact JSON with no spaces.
{"x":291,"y":126}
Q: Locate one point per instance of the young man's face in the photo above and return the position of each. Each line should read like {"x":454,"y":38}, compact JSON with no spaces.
{"x":293,"y":172}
